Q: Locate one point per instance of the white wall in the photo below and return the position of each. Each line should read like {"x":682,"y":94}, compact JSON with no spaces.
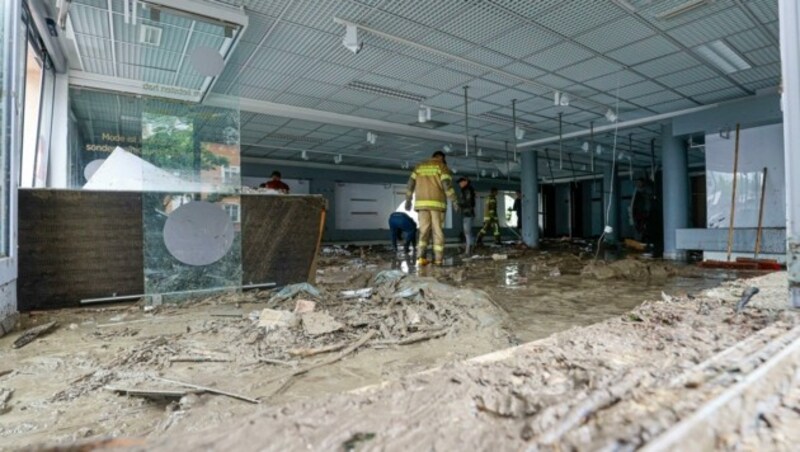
{"x":759,"y":147}
{"x":368,"y":206}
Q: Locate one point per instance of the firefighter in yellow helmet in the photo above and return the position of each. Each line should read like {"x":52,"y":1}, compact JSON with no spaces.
{"x":432,"y":182}
{"x":491,"y":223}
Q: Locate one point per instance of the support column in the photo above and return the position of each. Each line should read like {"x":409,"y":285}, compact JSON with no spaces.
{"x":675,"y":189}
{"x":530,"y":199}
{"x":610,"y":204}
{"x":790,"y":59}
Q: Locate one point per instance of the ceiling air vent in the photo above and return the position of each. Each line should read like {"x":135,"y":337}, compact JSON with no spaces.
{"x":150,"y":35}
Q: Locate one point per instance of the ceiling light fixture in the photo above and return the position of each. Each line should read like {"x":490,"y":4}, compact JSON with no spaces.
{"x":350,"y":40}
{"x":611,"y":116}
{"x":384,"y":91}
{"x":424,"y":114}
{"x":372,"y":138}
{"x":337,"y":159}
{"x":585,"y":146}
{"x":519,"y":133}
{"x":723,"y":57}
{"x":682,"y":9}
{"x":304,"y":155}
{"x":447,"y":149}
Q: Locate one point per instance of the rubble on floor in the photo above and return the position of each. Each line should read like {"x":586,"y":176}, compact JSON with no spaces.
{"x":614,"y":385}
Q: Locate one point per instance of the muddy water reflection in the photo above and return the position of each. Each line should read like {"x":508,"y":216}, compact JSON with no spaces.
{"x":544,"y":302}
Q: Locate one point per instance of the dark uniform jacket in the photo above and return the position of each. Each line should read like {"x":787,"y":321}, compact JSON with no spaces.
{"x":466,"y":201}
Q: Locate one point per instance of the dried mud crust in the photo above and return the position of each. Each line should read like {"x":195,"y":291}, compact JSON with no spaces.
{"x":616,"y":385}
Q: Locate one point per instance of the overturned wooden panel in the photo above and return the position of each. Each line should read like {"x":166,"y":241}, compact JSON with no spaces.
{"x":78,"y":244}
{"x":280,"y":237}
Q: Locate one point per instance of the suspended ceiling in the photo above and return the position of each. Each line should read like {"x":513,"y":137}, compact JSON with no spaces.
{"x":599,"y":52}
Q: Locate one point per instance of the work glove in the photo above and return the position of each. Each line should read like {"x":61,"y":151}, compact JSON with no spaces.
{"x":408,"y":205}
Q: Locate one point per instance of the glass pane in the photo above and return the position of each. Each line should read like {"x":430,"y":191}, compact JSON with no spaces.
{"x":33,"y":97}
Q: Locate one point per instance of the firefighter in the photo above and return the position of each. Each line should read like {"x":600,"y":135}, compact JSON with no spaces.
{"x":432,"y":183}
{"x":490,"y":220}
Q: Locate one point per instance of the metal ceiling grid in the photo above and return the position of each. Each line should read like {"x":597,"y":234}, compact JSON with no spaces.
{"x":673,"y":106}
{"x":666,"y":65}
{"x":353,"y":97}
{"x":609,"y":83}
{"x":490,"y":57}
{"x":656,"y":98}
{"x":479,"y":89}
{"x":639,"y":89}
{"x":318,"y":14}
{"x":444,"y":79}
{"x":712,"y":28}
{"x":336,"y":107}
{"x":257,"y":27}
{"x":554,"y":81}
{"x":747,"y":41}
{"x":297,"y":100}
{"x":446,"y":100}
{"x":764,"y":56}
{"x":523,"y":70}
{"x":431,"y":14}
{"x":264,"y":80}
{"x":558,"y":56}
{"x":404,"y":68}
{"x":624,"y":31}
{"x":93,"y":47}
{"x":505,"y":97}
{"x":589,"y":69}
{"x":370,"y":113}
{"x":706,"y":86}
{"x":279,"y":61}
{"x":532,"y":10}
{"x":419,"y":90}
{"x":688,"y":76}
{"x":651,"y":10}
{"x":312,"y":88}
{"x":648,"y":49}
{"x":574,"y":18}
{"x":335,"y":74}
{"x":719,"y":96}
{"x":478,"y":23}
{"x":522,"y":41}
{"x":765,"y":11}
{"x":391,"y":105}
{"x":304,"y":41}
{"x":756,"y":74}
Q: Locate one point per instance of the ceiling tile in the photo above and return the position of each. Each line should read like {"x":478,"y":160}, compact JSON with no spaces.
{"x":559,"y":56}
{"x":618,"y":33}
{"x":573,"y":18}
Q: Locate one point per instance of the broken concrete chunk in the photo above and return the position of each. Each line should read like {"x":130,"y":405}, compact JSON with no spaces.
{"x":499,"y":257}
{"x":32,"y":334}
{"x":388,"y":276}
{"x":304,"y":306}
{"x":317,"y":323}
{"x":5,"y":396}
{"x":555,"y":272}
{"x":360,"y":293}
{"x":407,"y":293}
{"x":412,"y":316}
{"x":273,"y":319}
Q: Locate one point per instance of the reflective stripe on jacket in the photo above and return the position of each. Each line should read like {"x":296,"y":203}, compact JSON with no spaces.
{"x":490,"y":212}
{"x":432,"y":182}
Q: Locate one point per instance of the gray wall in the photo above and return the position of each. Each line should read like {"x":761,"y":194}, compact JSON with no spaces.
{"x":323,"y":182}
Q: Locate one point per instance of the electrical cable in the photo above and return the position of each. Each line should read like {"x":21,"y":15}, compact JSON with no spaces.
{"x":613,"y":175}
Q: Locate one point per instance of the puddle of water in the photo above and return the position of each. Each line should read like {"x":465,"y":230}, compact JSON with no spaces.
{"x":540,"y":304}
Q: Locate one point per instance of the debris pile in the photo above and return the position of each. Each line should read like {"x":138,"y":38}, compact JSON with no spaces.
{"x":627,"y":269}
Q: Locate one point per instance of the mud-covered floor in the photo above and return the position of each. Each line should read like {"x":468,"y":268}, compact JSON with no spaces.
{"x":61,"y":383}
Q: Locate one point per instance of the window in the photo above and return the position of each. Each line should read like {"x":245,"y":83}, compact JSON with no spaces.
{"x":30,"y":122}
{"x":230,"y":174}
{"x":234,"y":211}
